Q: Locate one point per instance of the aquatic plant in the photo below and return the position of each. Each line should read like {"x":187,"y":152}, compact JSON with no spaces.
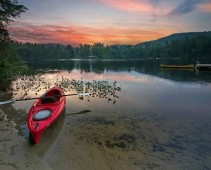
{"x":25,"y":86}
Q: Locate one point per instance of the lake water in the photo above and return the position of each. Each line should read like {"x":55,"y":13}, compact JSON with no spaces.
{"x":160,"y":119}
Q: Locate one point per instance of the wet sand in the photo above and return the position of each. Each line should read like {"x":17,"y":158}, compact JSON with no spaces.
{"x":13,"y":152}
{"x":91,"y":140}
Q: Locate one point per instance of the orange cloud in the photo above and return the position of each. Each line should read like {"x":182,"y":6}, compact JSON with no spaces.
{"x":81,"y":34}
{"x":206,"y":7}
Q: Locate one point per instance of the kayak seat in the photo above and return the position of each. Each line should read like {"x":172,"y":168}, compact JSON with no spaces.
{"x":48,"y":99}
{"x":57,"y":95}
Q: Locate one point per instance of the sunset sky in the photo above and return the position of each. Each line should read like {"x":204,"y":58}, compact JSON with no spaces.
{"x":108,"y":21}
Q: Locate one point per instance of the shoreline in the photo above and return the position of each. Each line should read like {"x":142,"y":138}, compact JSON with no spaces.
{"x":14,"y":149}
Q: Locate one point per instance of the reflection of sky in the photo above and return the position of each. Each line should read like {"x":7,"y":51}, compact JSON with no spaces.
{"x":140,"y":94}
{"x":108,"y":21}
{"x":169,"y":97}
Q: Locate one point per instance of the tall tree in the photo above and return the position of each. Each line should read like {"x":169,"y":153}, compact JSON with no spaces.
{"x":9,"y":62}
{"x":8,"y":9}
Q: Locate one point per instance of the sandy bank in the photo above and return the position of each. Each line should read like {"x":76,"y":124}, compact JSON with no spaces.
{"x":14,"y":150}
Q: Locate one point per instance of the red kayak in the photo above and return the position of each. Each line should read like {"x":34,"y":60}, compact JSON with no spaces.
{"x":44,"y":112}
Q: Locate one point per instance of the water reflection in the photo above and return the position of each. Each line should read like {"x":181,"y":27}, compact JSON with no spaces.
{"x":145,"y":67}
{"x":161,"y":119}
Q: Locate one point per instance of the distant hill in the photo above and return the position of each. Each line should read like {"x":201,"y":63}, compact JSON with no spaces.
{"x":176,"y":36}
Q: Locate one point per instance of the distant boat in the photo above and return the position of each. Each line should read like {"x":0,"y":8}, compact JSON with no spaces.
{"x":190,"y":66}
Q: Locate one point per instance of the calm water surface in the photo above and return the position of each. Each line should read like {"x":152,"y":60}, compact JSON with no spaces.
{"x":161,"y":119}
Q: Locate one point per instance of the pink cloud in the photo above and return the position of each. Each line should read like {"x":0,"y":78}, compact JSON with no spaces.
{"x":135,"y":6}
{"x":129,"y":5}
{"x":206,"y":7}
{"x":75,"y":35}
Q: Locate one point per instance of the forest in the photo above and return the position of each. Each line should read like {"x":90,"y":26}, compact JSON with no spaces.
{"x":185,"y":49}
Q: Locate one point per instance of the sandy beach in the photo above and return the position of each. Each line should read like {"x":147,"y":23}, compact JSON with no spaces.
{"x":14,"y":150}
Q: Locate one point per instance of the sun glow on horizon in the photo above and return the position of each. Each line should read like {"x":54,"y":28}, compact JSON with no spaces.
{"x":76,"y":35}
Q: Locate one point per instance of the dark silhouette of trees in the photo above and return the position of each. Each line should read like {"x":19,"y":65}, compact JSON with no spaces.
{"x":9,"y":62}
{"x":186,"y":50}
{"x":8,"y":9}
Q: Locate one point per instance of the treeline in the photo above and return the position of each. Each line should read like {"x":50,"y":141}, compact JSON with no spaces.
{"x":187,"y":49}
{"x":29,"y":51}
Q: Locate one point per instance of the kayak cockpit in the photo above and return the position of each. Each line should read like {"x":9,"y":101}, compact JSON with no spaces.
{"x":54,"y":93}
{"x":48,"y":99}
{"x":42,"y":115}
{"x":53,"y":96}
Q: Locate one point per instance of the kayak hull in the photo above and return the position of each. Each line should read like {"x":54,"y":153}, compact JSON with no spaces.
{"x":44,"y":112}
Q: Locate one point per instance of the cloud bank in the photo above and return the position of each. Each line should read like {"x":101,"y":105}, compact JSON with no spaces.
{"x":75,"y":35}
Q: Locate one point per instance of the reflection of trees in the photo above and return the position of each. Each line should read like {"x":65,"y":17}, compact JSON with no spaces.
{"x":52,"y":64}
{"x":150,"y":67}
